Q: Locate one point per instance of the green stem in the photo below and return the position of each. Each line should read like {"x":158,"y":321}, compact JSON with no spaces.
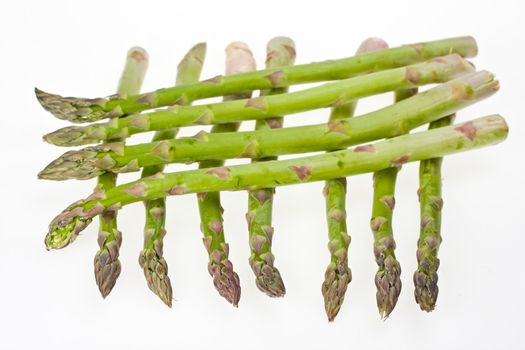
{"x":338,"y":275}
{"x":280,"y":52}
{"x":431,"y":203}
{"x":437,"y":70}
{"x":106,"y":263}
{"x":239,"y":58}
{"x":390,"y":121}
{"x":88,"y":110}
{"x":362,"y":159}
{"x":151,"y":257}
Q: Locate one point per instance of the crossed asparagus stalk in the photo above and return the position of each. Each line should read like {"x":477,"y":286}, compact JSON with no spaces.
{"x":374,"y":69}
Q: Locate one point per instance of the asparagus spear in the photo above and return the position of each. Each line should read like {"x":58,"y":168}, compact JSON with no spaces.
{"x":438,"y":69}
{"x":362,"y":159}
{"x":390,"y":121}
{"x":106,"y":263}
{"x":151,"y":257}
{"x":239,"y":59}
{"x":280,"y":52}
{"x":338,"y":275}
{"x":387,"y":279}
{"x":88,"y":110}
{"x":431,"y":202}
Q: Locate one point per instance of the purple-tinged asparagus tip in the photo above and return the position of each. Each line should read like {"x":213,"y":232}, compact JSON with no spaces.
{"x":225,"y":280}
{"x":77,"y":110}
{"x":334,"y":288}
{"x":156,"y":274}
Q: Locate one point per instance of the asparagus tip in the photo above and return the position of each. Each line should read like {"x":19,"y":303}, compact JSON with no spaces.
{"x":66,"y":226}
{"x":334,"y":288}
{"x":426,"y":277}
{"x":388,"y":283}
{"x":69,"y":166}
{"x":69,"y":136}
{"x":72,"y":108}
{"x":226,"y":281}
{"x":62,"y":233}
{"x":269,"y":281}
{"x":156,"y":273}
{"x":107,"y":271}
{"x":426,"y":290}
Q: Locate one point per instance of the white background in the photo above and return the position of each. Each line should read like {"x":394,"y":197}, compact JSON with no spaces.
{"x":49,"y":300}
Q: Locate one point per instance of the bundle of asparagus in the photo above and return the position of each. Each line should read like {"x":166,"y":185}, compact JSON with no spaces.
{"x":381,"y":139}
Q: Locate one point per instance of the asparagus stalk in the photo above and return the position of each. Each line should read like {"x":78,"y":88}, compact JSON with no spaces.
{"x":436,"y":70}
{"x":88,"y":110}
{"x":151,"y":257}
{"x":338,"y":275}
{"x":280,"y":52}
{"x":388,"y":276}
{"x":239,"y":59}
{"x":390,"y":121}
{"x":106,"y":263}
{"x":362,"y":159}
{"x":431,"y":202}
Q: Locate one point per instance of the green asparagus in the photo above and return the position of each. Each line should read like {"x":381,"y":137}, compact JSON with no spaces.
{"x":239,"y":59}
{"x":88,"y":110}
{"x":362,"y":159}
{"x":151,"y":257}
{"x":431,"y":202}
{"x":388,"y":276}
{"x":106,"y":263}
{"x":280,"y":52}
{"x":390,"y":121}
{"x":439,"y":69}
{"x":338,"y":275}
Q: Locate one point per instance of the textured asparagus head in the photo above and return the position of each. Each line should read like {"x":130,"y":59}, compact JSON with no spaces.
{"x":426,"y":277}
{"x":77,"y":135}
{"x":388,"y":277}
{"x":83,"y":164}
{"x":64,"y":228}
{"x":156,"y":269}
{"x":106,"y":262}
{"x":74,"y":109}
